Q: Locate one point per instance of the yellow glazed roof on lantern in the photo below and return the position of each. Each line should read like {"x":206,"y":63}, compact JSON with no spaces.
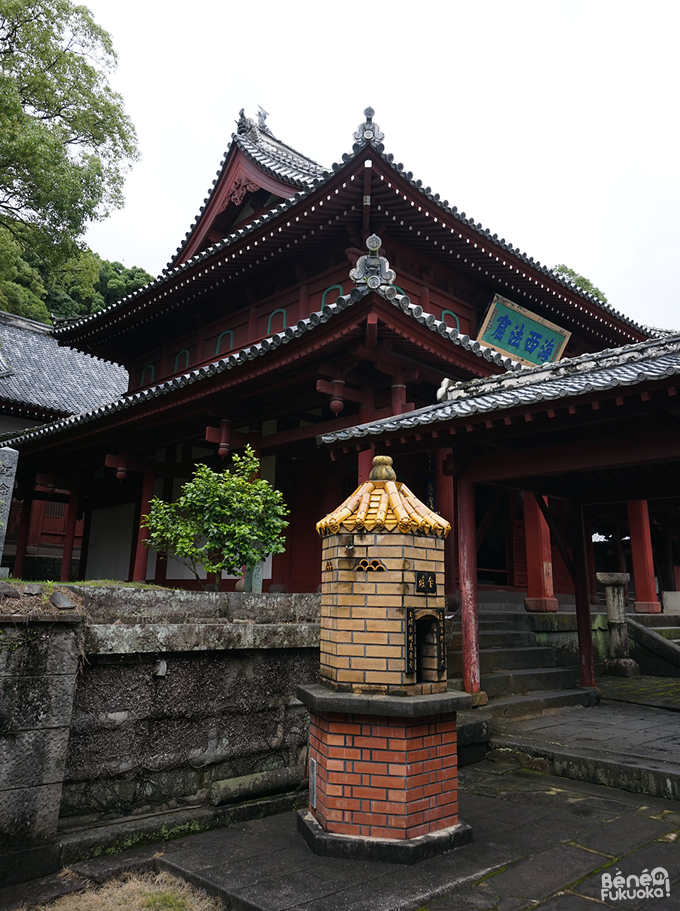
{"x":383,"y":505}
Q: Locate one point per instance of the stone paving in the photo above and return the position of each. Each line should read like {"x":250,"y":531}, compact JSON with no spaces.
{"x":539,"y":842}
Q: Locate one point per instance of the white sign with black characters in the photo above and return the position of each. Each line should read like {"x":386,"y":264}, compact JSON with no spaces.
{"x":8,"y":468}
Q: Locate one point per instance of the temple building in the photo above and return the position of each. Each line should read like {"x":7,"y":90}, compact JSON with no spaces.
{"x":40,"y":382}
{"x":318,"y":314}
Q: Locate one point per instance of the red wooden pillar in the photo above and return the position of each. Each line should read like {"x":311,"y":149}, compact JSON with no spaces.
{"x":22,"y":541}
{"x":540,"y":593}
{"x":590,"y":562}
{"x":445,"y":507}
{"x":467,"y":565}
{"x":139,"y":571}
{"x":582,"y":596}
{"x":365,"y":463}
{"x":646,"y":601}
{"x":69,"y":537}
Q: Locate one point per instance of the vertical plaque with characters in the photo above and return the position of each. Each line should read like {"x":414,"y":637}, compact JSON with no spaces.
{"x":8,"y":468}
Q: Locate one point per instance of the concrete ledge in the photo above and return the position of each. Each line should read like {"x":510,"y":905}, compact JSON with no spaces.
{"x":116,"y":835}
{"x":319,"y":699}
{"x":132,"y":638}
{"x":383,"y":850}
{"x":628,"y":773}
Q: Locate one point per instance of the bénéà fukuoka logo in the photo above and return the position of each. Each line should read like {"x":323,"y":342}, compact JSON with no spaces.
{"x":647,"y":885}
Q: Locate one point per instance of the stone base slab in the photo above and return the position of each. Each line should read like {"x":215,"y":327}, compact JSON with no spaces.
{"x":29,"y":862}
{"x":622,"y":667}
{"x":320,"y":699}
{"x":541,"y":605}
{"x":647,"y":607}
{"x":384,"y":850}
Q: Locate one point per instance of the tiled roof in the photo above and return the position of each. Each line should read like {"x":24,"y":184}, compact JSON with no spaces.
{"x":278,"y":159}
{"x":37,"y":374}
{"x":569,"y":378}
{"x":270,"y":155}
{"x":308,"y":186}
{"x":262,"y":348}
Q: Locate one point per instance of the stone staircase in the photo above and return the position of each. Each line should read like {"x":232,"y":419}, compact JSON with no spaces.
{"x":519,"y":676}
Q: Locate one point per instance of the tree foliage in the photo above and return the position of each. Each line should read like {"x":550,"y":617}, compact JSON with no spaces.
{"x":65,"y":140}
{"x":82,"y":284}
{"x":580,"y":281}
{"x":223,"y":521}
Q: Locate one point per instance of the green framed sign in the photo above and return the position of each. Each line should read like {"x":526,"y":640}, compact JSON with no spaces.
{"x":521,"y":334}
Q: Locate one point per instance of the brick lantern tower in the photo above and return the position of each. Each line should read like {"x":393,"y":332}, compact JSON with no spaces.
{"x":382,"y":742}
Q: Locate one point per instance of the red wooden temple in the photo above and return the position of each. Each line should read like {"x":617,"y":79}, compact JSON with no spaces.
{"x":264,"y":329}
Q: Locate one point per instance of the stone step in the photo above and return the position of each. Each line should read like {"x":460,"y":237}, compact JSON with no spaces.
{"x":504,"y":659}
{"x":655,"y":620}
{"x":669,"y":632}
{"x":528,"y":680}
{"x":616,"y":769}
{"x":493,"y":638}
{"x":519,"y":706}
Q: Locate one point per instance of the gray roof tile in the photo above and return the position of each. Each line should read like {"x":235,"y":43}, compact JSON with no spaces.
{"x":629,"y":365}
{"x":42,"y":376}
{"x":250,"y":353}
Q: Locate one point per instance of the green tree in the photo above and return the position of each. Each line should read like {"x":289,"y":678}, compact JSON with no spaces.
{"x":65,"y":140}
{"x":87,"y":283}
{"x":222,"y":521}
{"x":580,"y":280}
{"x":21,"y":287}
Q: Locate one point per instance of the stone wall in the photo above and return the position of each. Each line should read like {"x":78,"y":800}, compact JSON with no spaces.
{"x":184,"y":689}
{"x":146,"y":702}
{"x":38,"y":665}
{"x":141,"y":742}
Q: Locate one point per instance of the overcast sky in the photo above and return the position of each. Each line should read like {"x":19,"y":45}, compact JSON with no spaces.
{"x":554,"y":123}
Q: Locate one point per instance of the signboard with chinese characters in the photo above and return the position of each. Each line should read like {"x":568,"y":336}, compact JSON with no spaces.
{"x":8,"y":468}
{"x":522,"y":335}
{"x":426,"y":583}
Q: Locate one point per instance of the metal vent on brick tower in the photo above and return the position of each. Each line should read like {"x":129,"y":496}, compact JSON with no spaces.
{"x":369,"y":131}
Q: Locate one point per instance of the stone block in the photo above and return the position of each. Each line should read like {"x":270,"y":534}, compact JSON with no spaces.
{"x":30,"y":758}
{"x":36,"y":649}
{"x":29,"y":814}
{"x":31,"y":702}
{"x":32,"y":863}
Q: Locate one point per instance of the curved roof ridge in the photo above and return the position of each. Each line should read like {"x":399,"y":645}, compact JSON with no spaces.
{"x":258,"y":349}
{"x":495,"y":394}
{"x":311,"y":184}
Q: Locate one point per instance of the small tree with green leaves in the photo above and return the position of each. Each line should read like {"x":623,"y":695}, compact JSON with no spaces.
{"x":580,"y":281}
{"x":223,"y":521}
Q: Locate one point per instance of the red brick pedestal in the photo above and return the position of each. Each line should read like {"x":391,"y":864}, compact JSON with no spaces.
{"x":383,"y":775}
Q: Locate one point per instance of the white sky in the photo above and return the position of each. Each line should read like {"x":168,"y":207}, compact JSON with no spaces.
{"x":554,"y":123}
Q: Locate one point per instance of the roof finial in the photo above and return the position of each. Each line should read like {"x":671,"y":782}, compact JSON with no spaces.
{"x":261,"y":117}
{"x":246,"y":126}
{"x":369,"y":131}
{"x":382,"y":469}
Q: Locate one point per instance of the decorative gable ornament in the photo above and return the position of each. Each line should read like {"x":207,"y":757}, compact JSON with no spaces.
{"x":369,"y":131}
{"x":373,"y":270}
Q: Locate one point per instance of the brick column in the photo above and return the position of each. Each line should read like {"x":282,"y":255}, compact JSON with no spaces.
{"x":382,"y":786}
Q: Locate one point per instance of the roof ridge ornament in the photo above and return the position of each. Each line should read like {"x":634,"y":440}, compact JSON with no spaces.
{"x":246,"y":126}
{"x":369,"y":131}
{"x":372,"y":270}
